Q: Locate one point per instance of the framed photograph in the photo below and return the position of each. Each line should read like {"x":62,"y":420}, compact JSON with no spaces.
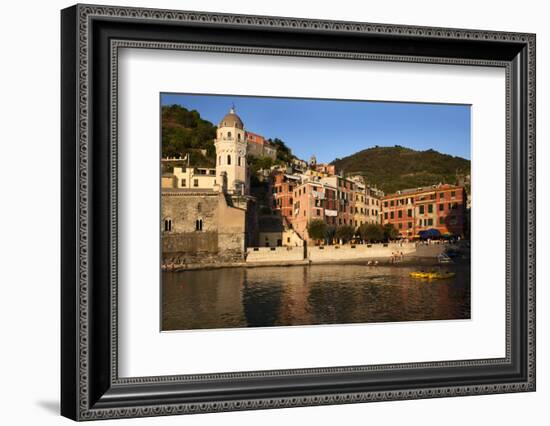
{"x":263,"y":212}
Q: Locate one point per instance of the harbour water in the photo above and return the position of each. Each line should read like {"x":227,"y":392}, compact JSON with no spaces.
{"x":308,"y":295}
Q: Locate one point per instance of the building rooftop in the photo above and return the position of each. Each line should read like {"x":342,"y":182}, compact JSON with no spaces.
{"x":422,"y":189}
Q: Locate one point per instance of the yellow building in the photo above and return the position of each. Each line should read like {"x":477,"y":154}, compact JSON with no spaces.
{"x":190,"y":177}
{"x":360,"y":207}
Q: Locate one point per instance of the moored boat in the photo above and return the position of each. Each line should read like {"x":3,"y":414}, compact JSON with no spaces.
{"x":432,"y":275}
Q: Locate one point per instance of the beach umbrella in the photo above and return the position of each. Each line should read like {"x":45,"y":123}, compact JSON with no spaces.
{"x":429,"y":233}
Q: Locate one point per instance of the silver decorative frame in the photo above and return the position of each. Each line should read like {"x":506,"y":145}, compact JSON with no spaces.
{"x":86,"y":407}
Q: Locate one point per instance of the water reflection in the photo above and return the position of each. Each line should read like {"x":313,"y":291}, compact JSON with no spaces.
{"x":304,"y":295}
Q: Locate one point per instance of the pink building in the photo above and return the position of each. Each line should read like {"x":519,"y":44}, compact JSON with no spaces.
{"x":313,"y":200}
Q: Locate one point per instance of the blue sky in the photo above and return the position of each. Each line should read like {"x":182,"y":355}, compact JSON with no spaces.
{"x":333,"y":129}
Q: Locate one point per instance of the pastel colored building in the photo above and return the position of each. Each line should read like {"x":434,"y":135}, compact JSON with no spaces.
{"x":326,"y":169}
{"x":373,"y":200}
{"x":345,"y":198}
{"x":313,"y":201}
{"x":190,"y":177}
{"x":440,"y":207}
{"x":282,"y":193}
{"x":258,"y":146}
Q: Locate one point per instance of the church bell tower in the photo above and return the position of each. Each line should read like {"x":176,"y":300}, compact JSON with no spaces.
{"x":230,"y":146}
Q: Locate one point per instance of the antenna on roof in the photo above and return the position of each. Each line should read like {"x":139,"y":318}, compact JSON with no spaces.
{"x":232,"y":110}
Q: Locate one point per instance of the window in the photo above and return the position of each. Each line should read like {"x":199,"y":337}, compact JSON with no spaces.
{"x":400,"y":214}
{"x":183,"y":183}
{"x":220,"y":160}
{"x":385,"y":204}
{"x":421,"y":209}
{"x":400,"y":226}
{"x":239,"y":160}
{"x":430,"y":208}
{"x":290,"y":201}
{"x":229,"y":135}
{"x":409,"y":225}
{"x":167,"y":225}
{"x":229,"y":160}
{"x":453,"y":194}
{"x":430,"y":222}
{"x":238,"y":136}
{"x":391,"y":215}
{"x":386,"y":215}
{"x":441,"y":220}
{"x":441,"y":195}
{"x":441,"y":207}
{"x":409,"y":213}
{"x":391,"y":203}
{"x":432,"y":196}
{"x":198,"y":225}
{"x":195,"y":183}
{"x":199,"y":207}
{"x":304,"y":212}
{"x":318,"y":212}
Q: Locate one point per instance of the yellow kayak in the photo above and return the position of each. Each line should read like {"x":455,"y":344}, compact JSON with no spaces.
{"x":432,"y":275}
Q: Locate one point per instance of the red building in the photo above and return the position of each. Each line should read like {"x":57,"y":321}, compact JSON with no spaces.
{"x":282,"y":193}
{"x":258,"y":146}
{"x":440,"y":207}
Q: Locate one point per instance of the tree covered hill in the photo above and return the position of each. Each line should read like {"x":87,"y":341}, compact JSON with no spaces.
{"x":397,"y":167}
{"x":185,"y":132}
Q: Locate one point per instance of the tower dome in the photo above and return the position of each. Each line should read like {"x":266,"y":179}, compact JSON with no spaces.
{"x":231,"y":119}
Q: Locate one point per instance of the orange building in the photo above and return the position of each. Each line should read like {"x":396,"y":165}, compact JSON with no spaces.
{"x":282,"y":193}
{"x":327,"y":169}
{"x":440,"y":207}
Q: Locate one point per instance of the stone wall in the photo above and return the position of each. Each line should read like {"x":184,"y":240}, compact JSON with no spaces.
{"x":357,"y":252}
{"x":274,"y":254}
{"x":221,"y":239}
{"x":190,"y":242}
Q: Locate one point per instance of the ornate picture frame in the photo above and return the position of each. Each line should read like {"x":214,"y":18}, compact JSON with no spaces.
{"x":91,"y":386}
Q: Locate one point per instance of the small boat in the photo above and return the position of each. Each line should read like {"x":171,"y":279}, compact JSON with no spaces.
{"x":432,"y":275}
{"x":443,"y":258}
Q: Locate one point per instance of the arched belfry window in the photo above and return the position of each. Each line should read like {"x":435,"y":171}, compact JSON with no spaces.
{"x":167,"y":225}
{"x":239,"y":160}
{"x":238,"y":136}
{"x":229,"y":135}
{"x":198,"y":225}
{"x":229,"y":160}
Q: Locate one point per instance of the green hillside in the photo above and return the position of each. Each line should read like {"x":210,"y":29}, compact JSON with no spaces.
{"x":185,"y":132}
{"x":397,"y":167}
